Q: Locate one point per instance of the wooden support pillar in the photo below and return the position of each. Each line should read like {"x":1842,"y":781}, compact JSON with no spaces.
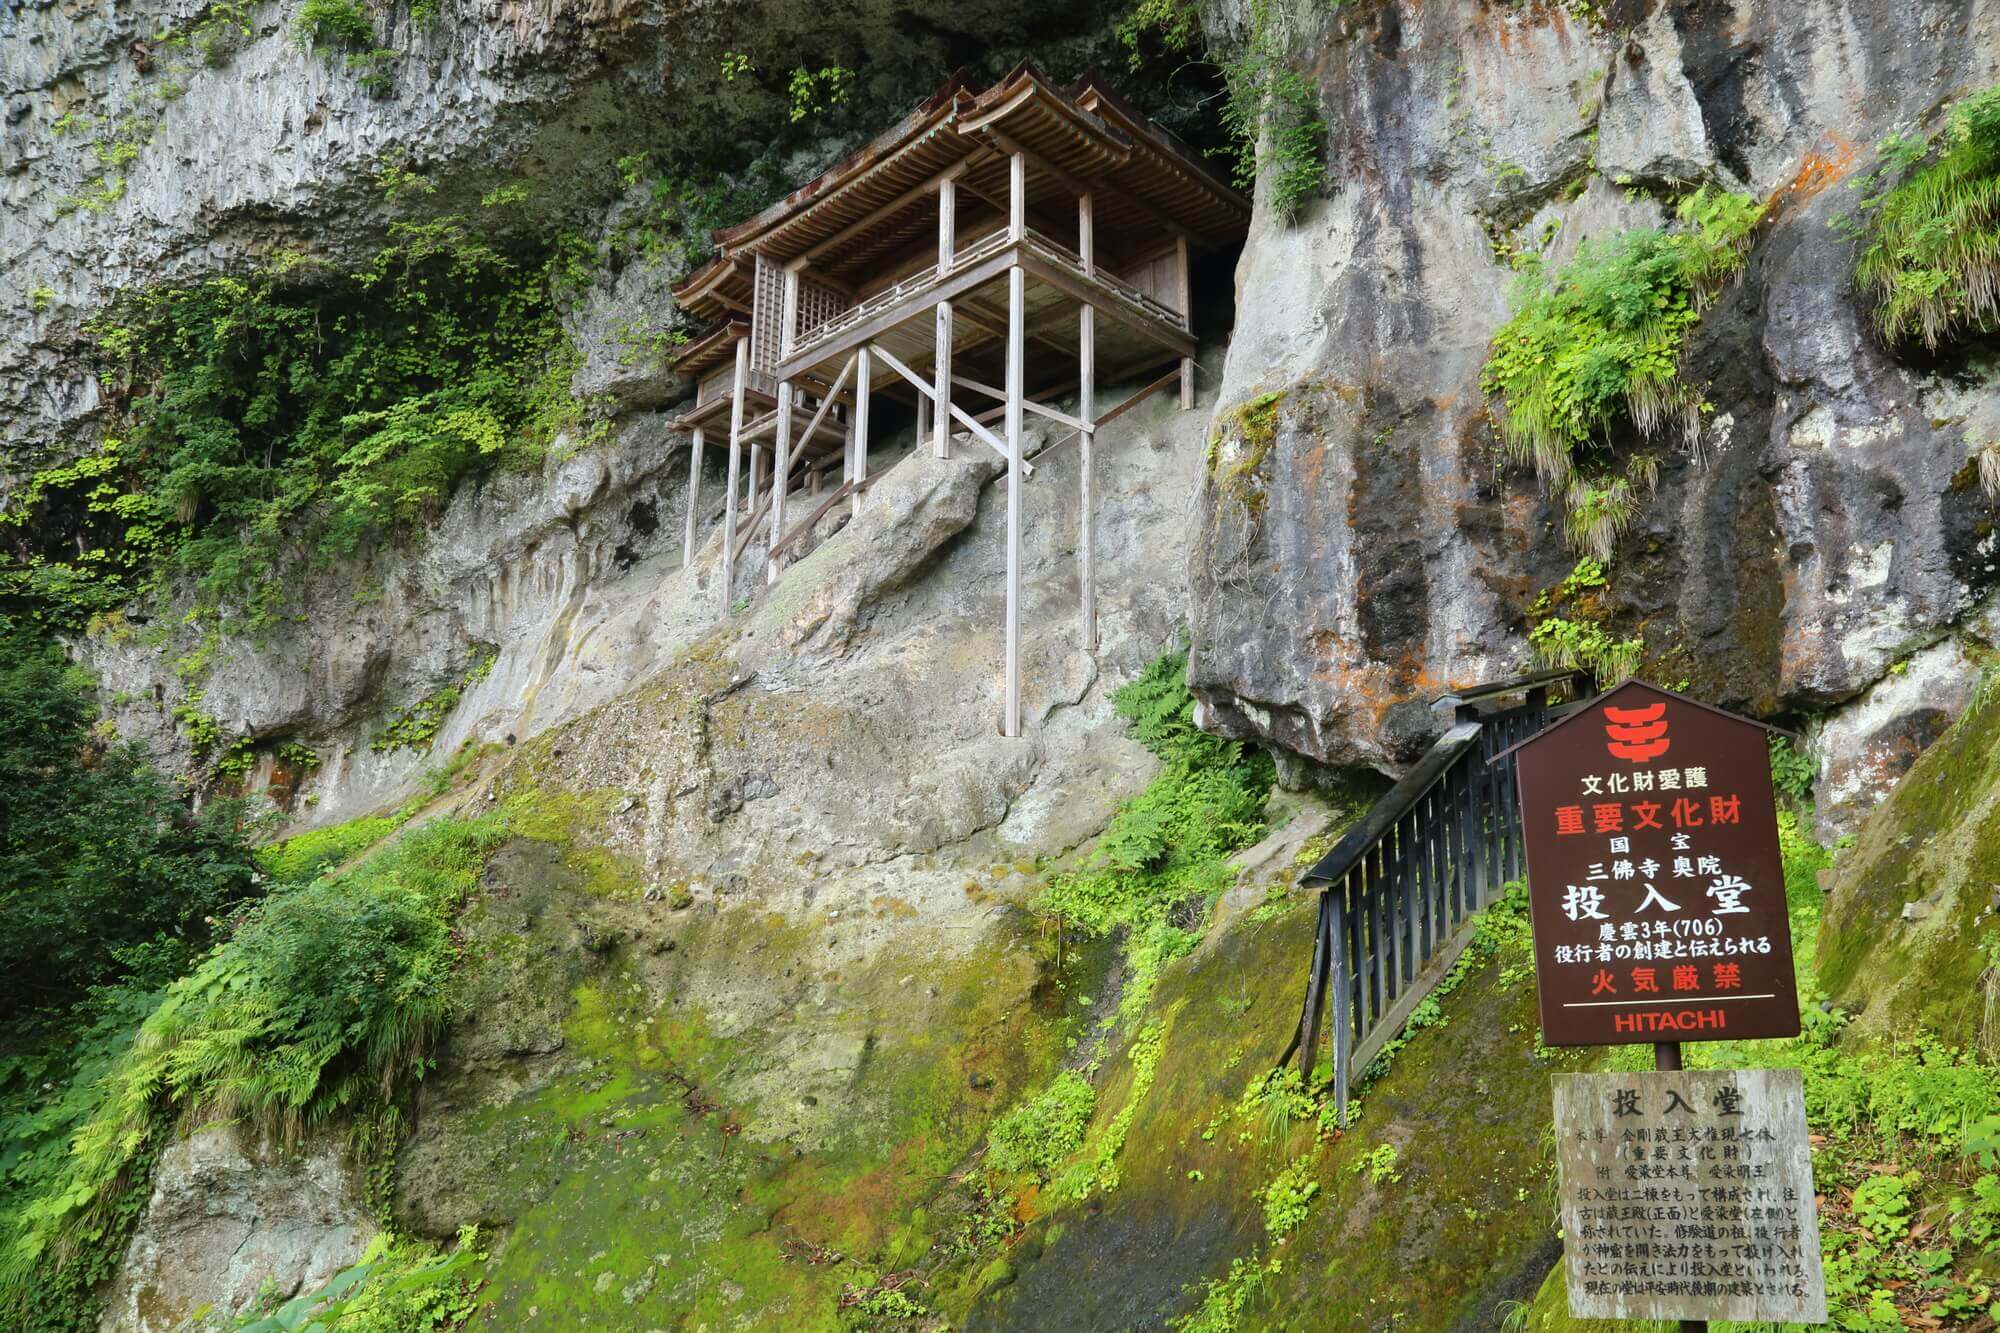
{"x":1017,"y":195}
{"x":941,"y":387}
{"x":947,"y":254}
{"x":1016,"y":329}
{"x":735,"y":468}
{"x":923,"y":419}
{"x":1086,"y":411}
{"x":694,"y":497}
{"x":857,"y":466}
{"x":947,"y":224}
{"x":781,"y":471}
{"x":1187,"y":312}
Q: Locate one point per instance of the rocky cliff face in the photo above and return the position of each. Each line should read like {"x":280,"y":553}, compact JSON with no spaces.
{"x":1366,"y":545}
{"x":794,"y":837}
{"x":171,"y":140}
{"x":755,"y":970}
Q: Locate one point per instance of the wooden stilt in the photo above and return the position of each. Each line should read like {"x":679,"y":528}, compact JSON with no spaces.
{"x":1186,"y":293}
{"x":735,"y":467}
{"x":923,"y":420}
{"x":941,"y":406}
{"x":781,"y":471}
{"x":1086,"y":410}
{"x":1017,"y":199}
{"x":1016,"y":300}
{"x":947,"y":254}
{"x":694,"y":497}
{"x":857,"y":466}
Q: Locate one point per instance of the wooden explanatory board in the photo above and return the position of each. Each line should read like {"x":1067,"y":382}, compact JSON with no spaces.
{"x":1688,"y":1195}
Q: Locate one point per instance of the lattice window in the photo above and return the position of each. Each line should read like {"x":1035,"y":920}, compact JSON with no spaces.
{"x":817,"y":305}
{"x":767,"y":315}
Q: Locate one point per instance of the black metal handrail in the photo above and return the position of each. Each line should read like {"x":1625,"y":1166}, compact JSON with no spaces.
{"x":1398,"y":891}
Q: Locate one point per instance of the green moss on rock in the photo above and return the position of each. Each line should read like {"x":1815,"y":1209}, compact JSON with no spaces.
{"x":1466,"y":1227}
{"x":1904,"y":938}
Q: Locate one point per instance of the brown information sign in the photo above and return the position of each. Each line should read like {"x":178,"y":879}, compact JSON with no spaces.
{"x":1688,"y":1196}
{"x":1654,"y":878}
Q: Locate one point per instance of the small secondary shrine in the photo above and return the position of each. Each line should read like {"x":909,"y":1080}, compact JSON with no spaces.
{"x":999,"y":249}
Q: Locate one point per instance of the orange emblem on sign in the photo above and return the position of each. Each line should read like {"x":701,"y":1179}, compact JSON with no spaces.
{"x":1636,"y":733}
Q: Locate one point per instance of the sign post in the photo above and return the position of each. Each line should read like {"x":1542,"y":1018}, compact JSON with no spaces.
{"x":1657,"y":892}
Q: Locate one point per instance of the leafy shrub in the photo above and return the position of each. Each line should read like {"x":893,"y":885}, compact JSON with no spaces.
{"x":50,"y":1076}
{"x":1039,"y":1133}
{"x":1792,"y":772}
{"x":1932,"y":252}
{"x":1569,"y":626}
{"x":327,"y":999}
{"x":397,"y":1286}
{"x":1165,"y":854}
{"x":103,"y":872}
{"x":1380,"y":1164}
{"x":1224,"y":1302}
{"x":309,"y":854}
{"x":1882,"y":1205}
{"x":1601,"y":339}
{"x":336,"y":23}
{"x":1287,"y":1197}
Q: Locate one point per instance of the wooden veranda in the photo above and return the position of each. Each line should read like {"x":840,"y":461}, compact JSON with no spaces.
{"x":1000,"y":248}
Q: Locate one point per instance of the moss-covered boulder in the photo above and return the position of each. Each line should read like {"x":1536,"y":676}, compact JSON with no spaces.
{"x":1909,"y":936}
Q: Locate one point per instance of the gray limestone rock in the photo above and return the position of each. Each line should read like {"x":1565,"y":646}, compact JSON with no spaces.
{"x":229,"y":1214}
{"x":1364,"y":545}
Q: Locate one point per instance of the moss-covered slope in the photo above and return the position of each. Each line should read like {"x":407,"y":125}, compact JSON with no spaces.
{"x":1427,"y":1213}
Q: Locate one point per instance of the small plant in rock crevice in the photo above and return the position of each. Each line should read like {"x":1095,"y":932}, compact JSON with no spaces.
{"x":1569,"y":626}
{"x":1287,"y":1197}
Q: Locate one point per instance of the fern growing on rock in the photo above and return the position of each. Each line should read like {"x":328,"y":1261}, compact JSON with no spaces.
{"x":1932,"y":252}
{"x":1600,"y":340}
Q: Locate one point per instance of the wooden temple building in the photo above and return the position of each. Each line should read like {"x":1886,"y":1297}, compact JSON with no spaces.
{"x":999,"y":249}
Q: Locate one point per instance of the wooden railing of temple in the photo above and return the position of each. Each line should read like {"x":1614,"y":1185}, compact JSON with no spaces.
{"x":1400,"y":888}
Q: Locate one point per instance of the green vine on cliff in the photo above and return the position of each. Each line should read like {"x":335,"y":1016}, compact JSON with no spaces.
{"x":1270,"y":108}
